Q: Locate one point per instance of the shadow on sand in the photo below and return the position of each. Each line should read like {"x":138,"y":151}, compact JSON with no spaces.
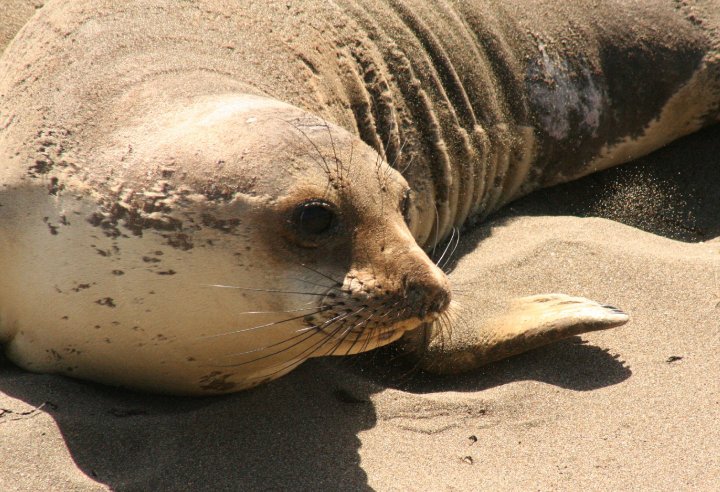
{"x":302,"y":429}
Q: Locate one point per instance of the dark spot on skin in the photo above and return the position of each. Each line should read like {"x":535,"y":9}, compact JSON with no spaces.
{"x":65,"y":318}
{"x":53,"y":229}
{"x":140,"y":212}
{"x":223,"y":225}
{"x":107,"y":224}
{"x":115,"y":323}
{"x":118,"y":272}
{"x":102,"y":252}
{"x":39,"y":168}
{"x":148,"y":259}
{"x":674,"y":358}
{"x":136,"y":328}
{"x":55,"y":355}
{"x":158,"y":253}
{"x":216,"y":381}
{"x":219,"y":193}
{"x":106,"y":301}
{"x":167,"y":272}
{"x":54,"y":187}
{"x":80,"y":287}
{"x":190,"y":359}
{"x":97,"y":327}
{"x":179,"y":241}
{"x":107,"y":340}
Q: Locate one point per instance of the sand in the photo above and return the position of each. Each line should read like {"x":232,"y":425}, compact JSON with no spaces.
{"x":14,"y":15}
{"x":633,"y":408}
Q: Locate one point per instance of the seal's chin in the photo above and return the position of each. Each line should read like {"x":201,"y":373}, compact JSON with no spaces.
{"x":345,"y":337}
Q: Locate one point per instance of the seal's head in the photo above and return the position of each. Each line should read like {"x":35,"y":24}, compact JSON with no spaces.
{"x":314,"y":228}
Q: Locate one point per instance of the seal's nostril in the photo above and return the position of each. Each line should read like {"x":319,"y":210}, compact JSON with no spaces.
{"x":427,"y":297}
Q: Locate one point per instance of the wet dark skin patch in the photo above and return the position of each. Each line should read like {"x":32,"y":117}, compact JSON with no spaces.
{"x":106,"y":301}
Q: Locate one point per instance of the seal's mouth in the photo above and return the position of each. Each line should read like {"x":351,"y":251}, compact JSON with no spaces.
{"x":369,"y":318}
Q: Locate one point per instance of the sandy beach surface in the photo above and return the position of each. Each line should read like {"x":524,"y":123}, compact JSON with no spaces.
{"x":633,"y":408}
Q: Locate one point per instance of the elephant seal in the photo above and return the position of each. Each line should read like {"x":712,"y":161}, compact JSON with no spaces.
{"x":198,"y":196}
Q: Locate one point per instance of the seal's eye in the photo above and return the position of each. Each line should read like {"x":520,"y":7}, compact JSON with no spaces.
{"x":314,"y":218}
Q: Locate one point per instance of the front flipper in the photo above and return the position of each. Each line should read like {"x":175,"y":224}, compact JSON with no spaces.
{"x":466,"y":340}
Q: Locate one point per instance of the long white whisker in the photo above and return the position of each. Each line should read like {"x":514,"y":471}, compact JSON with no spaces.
{"x":253,"y":289}
{"x":266,"y":325}
{"x":452,"y":237}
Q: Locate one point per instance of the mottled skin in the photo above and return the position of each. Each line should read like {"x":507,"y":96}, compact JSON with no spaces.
{"x":155,"y":158}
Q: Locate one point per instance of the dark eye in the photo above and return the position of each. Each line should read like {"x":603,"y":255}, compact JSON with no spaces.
{"x":314,"y":218}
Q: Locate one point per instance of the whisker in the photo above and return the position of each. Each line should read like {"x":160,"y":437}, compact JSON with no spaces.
{"x":457,"y":243}
{"x":343,"y":337}
{"x":367,"y":337}
{"x":254,"y":289}
{"x":407,"y":166}
{"x":318,"y":331}
{"x":446,"y":247}
{"x":338,"y":169}
{"x":399,"y":154}
{"x":304,"y":336}
{"x":331,"y":287}
{"x":266,"y":325}
{"x":324,"y":163}
{"x":313,"y":348}
{"x":365,"y":344}
{"x":437,"y":228}
{"x":279,"y":312}
{"x":350,"y":161}
{"x":321,"y":274}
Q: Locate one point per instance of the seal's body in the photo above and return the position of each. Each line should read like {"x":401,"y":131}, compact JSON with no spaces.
{"x":198,"y":196}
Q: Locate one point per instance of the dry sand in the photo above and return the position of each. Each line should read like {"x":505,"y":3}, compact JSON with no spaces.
{"x":13,"y":15}
{"x":635,"y":408}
